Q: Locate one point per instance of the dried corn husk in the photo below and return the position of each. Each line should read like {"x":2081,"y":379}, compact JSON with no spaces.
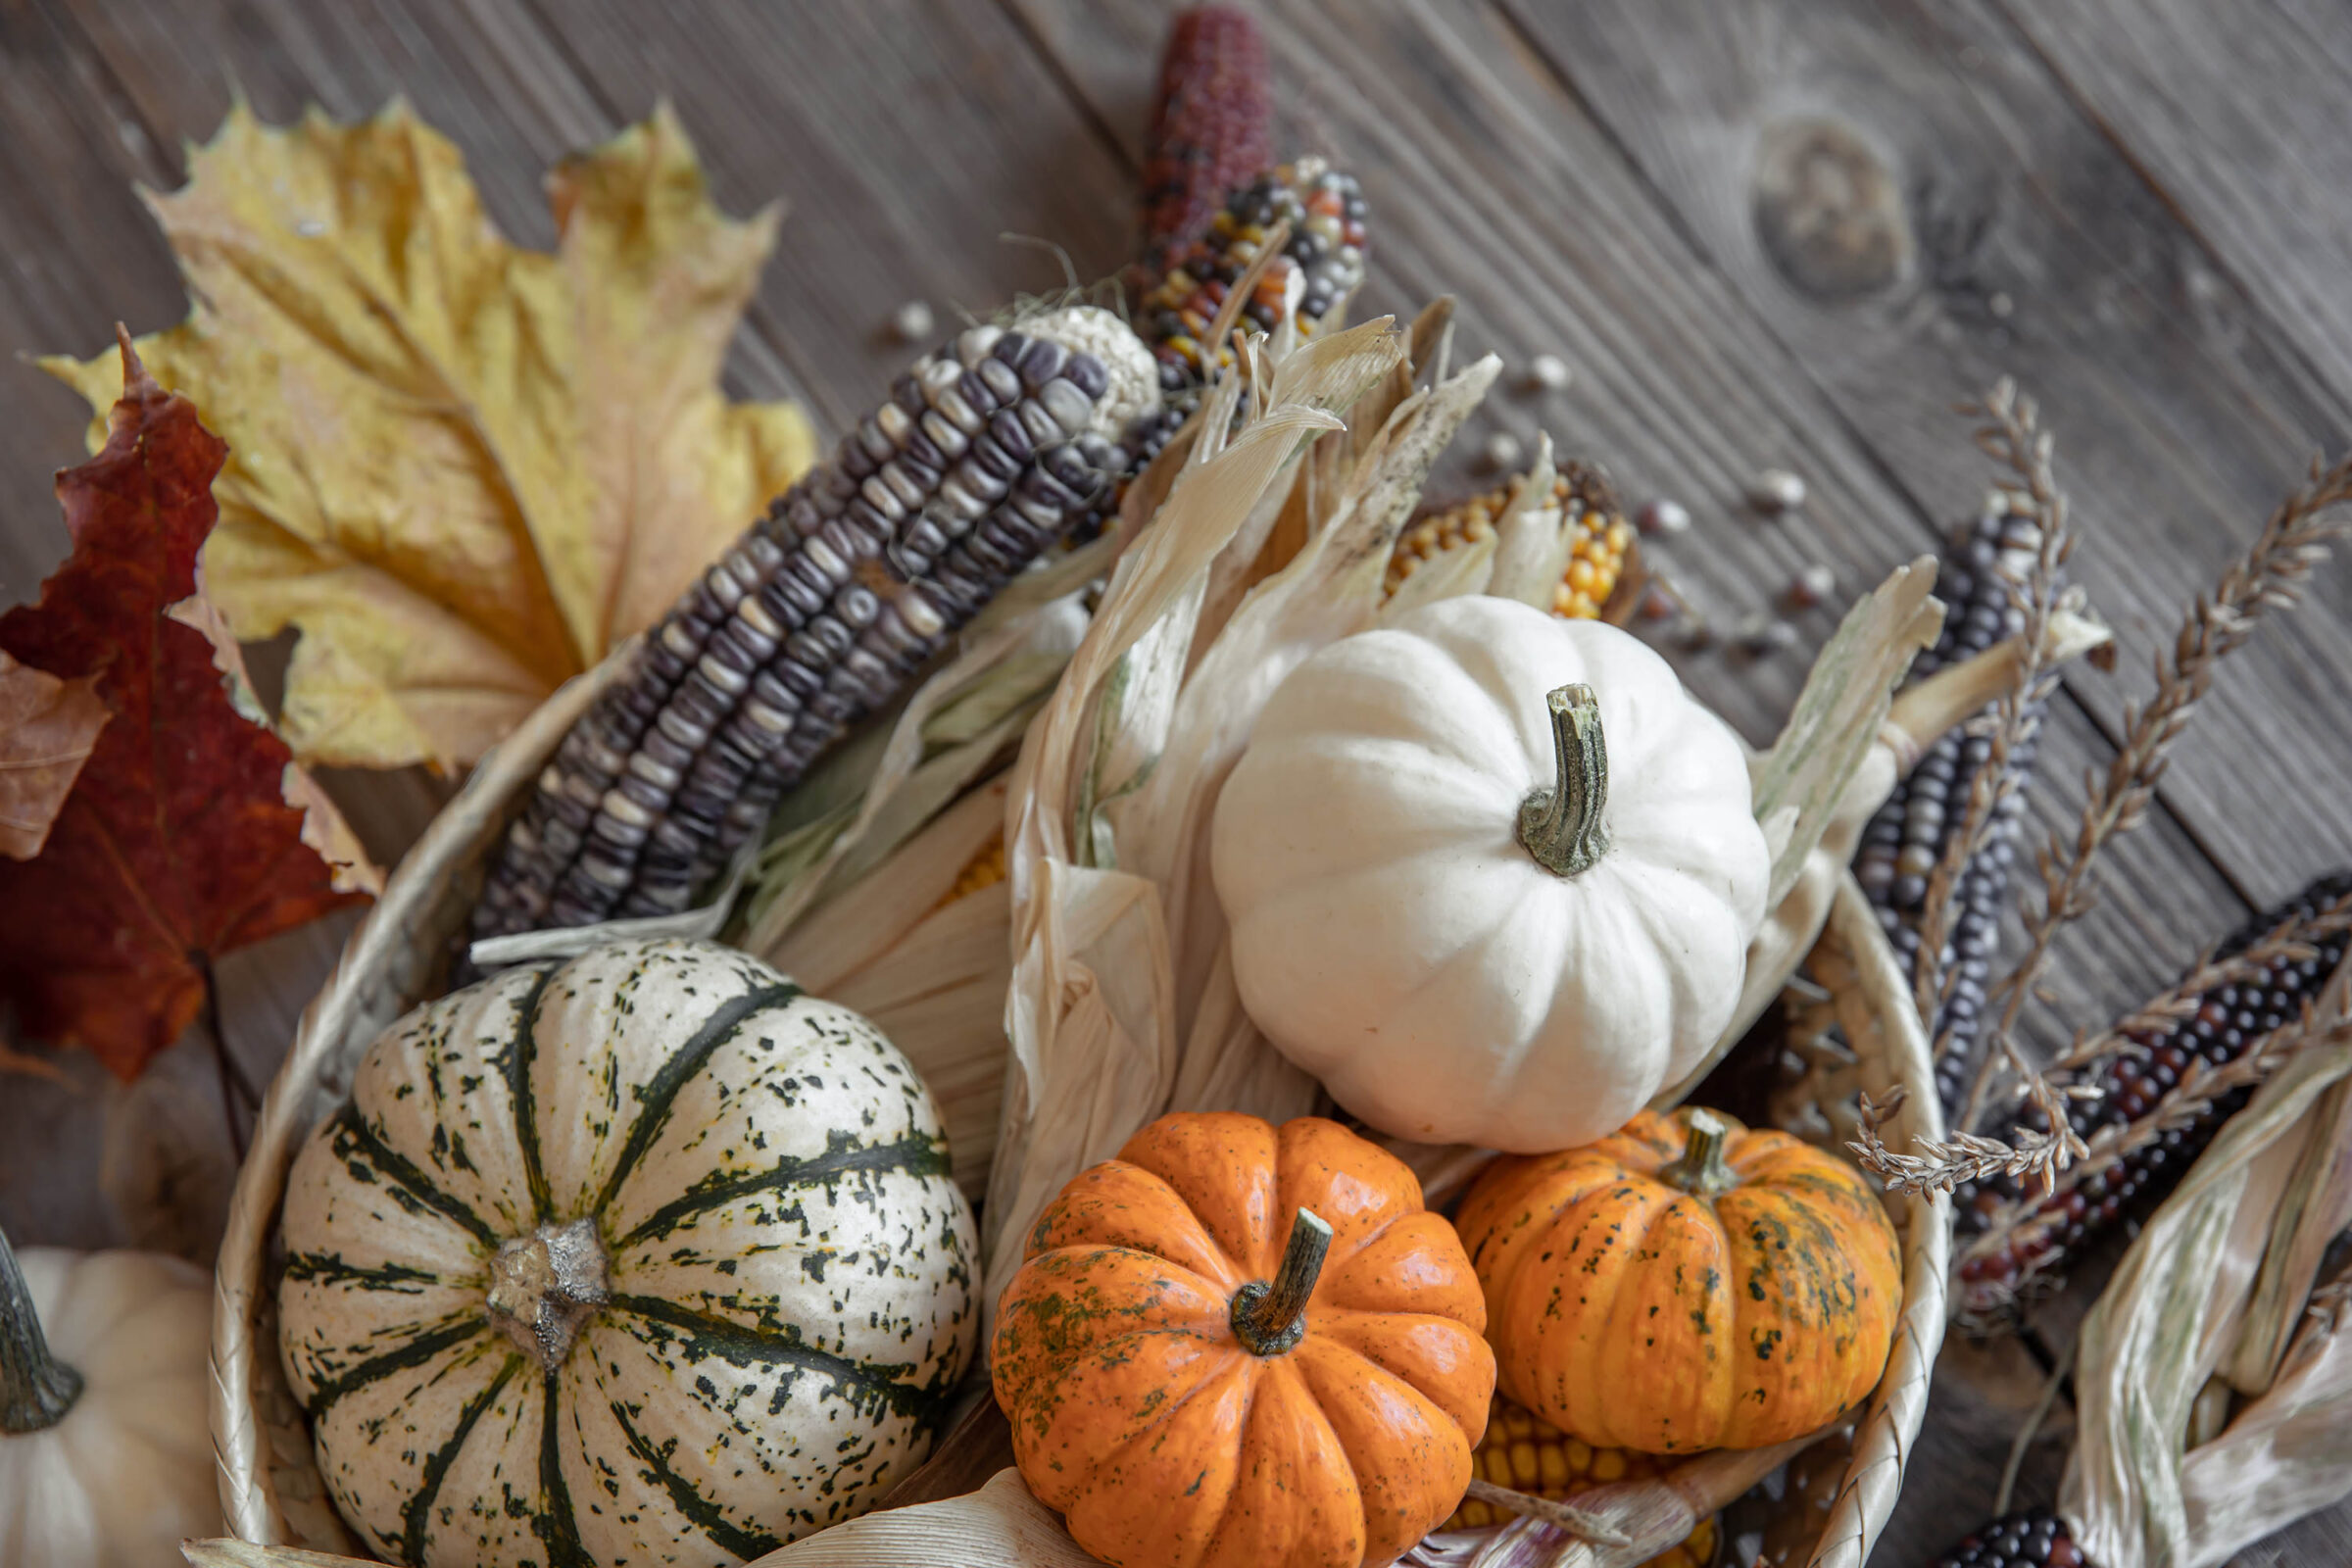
{"x":885,"y":783}
{"x":852,"y":814}
{"x":1654,"y":1516}
{"x":1123,"y":1004}
{"x":2216,"y":1284}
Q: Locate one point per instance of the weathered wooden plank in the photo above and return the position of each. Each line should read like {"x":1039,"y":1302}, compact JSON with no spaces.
{"x":1552,"y":245}
{"x":488,"y":75}
{"x":76,"y":248}
{"x":1911,"y":202}
{"x":905,"y":138}
{"x":2238,"y":110}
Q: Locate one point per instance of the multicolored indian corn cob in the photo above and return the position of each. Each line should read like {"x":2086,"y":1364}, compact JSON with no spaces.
{"x":2224,"y":1025}
{"x":1326,"y":211}
{"x":1905,"y":841}
{"x":1529,"y":1455}
{"x":986,"y":452}
{"x":1598,"y":560}
{"x":1212,"y":125}
{"x":2035,"y":1537}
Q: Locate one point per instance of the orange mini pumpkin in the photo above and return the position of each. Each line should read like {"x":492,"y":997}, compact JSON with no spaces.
{"x":1238,"y":1347}
{"x":1685,"y":1284}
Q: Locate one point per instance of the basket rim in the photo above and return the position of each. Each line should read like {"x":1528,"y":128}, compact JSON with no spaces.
{"x":458,"y":832}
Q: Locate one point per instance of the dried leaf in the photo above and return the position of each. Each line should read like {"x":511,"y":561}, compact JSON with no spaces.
{"x":1830,"y":767}
{"x":176,"y":845}
{"x":1815,"y":791}
{"x":855,"y":930}
{"x":2285,"y":1455}
{"x":47,"y":727}
{"x":1533,"y":540}
{"x":872,"y":795}
{"x":323,"y":828}
{"x":465,"y":472}
{"x":2317,"y":1207}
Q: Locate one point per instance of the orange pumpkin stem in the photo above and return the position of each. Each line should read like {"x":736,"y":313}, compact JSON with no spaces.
{"x":1561,"y":826}
{"x":36,"y":1389}
{"x":1702,"y":1170}
{"x":1269,"y":1318}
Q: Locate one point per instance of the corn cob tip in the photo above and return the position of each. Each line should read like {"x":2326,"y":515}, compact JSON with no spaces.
{"x":1134,"y":389}
{"x":1212,"y":122}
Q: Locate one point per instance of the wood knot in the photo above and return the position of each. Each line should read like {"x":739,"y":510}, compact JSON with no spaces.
{"x":1828,"y":210}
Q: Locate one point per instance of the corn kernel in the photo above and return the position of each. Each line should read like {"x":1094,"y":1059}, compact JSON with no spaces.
{"x":1523,"y":1465}
{"x":985,"y":870}
{"x":1523,"y":1452}
{"x":1600,"y":540}
{"x":1552,"y":1469}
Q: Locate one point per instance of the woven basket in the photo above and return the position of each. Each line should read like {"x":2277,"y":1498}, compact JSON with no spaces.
{"x":271,"y":1490}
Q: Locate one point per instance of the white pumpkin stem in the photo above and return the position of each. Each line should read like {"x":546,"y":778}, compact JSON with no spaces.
{"x":1701,"y":1169}
{"x":543,"y":1286}
{"x":1562,"y":826}
{"x":36,"y":1389}
{"x":1271,"y":1318}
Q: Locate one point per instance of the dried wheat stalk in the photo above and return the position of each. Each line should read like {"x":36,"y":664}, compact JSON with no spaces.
{"x":2267,"y":577}
{"x":2327,"y":1020}
{"x":2012,"y":435}
{"x":1943,"y":1163}
{"x":2294,"y":939}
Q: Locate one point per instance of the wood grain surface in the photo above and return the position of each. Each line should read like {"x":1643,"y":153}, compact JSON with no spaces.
{"x":1770,"y":234}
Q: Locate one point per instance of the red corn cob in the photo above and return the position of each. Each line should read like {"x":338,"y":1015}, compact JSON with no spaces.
{"x":1211,"y":128}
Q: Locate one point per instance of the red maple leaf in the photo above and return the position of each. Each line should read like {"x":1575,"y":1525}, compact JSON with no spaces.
{"x":177,"y":843}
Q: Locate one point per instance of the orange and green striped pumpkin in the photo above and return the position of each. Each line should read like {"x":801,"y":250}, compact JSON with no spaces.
{"x":1685,"y":1284}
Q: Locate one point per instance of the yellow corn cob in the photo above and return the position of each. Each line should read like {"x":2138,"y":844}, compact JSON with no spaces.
{"x":1528,"y":1455}
{"x":985,"y":870}
{"x":1598,"y":560}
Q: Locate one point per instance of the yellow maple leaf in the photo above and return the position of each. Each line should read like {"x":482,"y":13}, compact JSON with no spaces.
{"x":462,"y":470}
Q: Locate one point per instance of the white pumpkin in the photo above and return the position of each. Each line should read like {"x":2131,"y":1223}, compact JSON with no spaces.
{"x":1491,"y":875}
{"x":106,"y":1455}
{"x":644,"y":1257}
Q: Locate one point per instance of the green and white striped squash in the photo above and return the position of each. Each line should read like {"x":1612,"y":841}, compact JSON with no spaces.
{"x":643,"y":1257}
